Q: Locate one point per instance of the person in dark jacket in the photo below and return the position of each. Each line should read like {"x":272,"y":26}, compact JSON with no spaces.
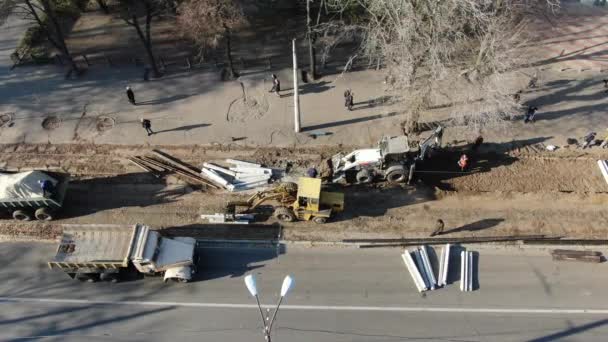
{"x":147,"y":125}
{"x":438,"y":228}
{"x":349,"y":99}
{"x":276,"y":85}
{"x":529,"y":117}
{"x":131,"y":96}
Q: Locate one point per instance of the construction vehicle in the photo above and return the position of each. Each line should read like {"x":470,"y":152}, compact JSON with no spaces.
{"x":304,"y":201}
{"x":394,"y":160}
{"x":22,"y":195}
{"x":107,"y":252}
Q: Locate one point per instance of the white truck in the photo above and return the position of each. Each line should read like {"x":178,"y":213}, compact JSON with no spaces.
{"x":394,"y":160}
{"x":105,"y":252}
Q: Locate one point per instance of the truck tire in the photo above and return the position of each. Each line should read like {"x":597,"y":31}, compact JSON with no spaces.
{"x":363,"y":176}
{"x":319,"y":219}
{"x":21,"y":215}
{"x":395,"y":174}
{"x":43,"y":214}
{"x":284,"y":214}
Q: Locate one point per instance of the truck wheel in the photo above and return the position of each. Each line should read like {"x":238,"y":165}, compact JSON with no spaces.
{"x":43,"y":214}
{"x":319,"y":219}
{"x":395,"y":174}
{"x":363,"y":176}
{"x":284,"y":214}
{"x":21,"y":215}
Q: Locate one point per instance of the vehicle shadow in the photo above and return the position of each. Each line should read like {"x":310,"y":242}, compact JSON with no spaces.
{"x":361,"y":200}
{"x":139,"y":189}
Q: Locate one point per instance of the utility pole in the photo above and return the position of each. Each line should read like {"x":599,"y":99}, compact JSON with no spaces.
{"x":311,"y":44}
{"x":296,"y":93}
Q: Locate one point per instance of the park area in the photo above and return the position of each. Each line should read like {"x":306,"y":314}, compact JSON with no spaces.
{"x":84,"y":125}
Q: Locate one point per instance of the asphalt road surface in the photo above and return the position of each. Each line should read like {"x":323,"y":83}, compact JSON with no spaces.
{"x":340,"y":295}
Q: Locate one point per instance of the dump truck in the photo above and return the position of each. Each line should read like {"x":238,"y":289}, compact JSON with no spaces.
{"x":108,"y":252}
{"x":32,"y":194}
{"x":304,"y":201}
{"x":394,"y":160}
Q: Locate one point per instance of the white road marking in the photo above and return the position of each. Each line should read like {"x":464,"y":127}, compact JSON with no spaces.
{"x":4,"y":300}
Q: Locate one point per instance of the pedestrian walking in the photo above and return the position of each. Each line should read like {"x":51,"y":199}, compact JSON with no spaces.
{"x":462,"y":162}
{"x":604,"y":143}
{"x":438,"y":228}
{"x":517,"y":96}
{"x":147,"y":125}
{"x":349,"y":99}
{"x":588,"y":140}
{"x":131,"y":96}
{"x":276,"y":85}
{"x":529,"y":117}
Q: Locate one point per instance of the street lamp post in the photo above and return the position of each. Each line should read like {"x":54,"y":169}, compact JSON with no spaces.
{"x":250,"y":282}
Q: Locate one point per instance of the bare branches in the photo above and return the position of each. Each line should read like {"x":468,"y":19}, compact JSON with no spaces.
{"x":426,"y":44}
{"x":207,"y":22}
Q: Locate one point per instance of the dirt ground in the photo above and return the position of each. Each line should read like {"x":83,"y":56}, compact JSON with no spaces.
{"x":522,"y":191}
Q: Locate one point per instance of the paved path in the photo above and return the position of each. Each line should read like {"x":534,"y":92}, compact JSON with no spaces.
{"x":340,"y":295}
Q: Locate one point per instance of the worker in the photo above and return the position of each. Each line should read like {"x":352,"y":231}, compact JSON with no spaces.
{"x":605,"y":142}
{"x":588,"y":140}
{"x":477,"y":143}
{"x":312,"y":172}
{"x":47,"y":187}
{"x":438,"y":228}
{"x":462,"y":162}
{"x":529,"y":117}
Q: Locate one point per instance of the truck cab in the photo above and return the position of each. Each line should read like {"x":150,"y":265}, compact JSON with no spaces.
{"x":154,"y":254}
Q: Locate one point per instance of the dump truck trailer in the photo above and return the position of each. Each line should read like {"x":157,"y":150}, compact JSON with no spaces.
{"x":106,"y":252}
{"x":22,"y":195}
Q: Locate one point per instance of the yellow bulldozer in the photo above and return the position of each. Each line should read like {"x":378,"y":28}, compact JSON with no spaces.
{"x":304,"y":201}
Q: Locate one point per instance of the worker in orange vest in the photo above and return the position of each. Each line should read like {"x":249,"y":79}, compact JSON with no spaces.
{"x":462,"y":162}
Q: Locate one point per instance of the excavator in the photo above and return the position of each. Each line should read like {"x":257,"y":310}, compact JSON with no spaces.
{"x":304,"y":201}
{"x":394,"y":160}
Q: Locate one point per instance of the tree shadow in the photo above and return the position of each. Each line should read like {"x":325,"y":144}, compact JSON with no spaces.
{"x":349,"y":121}
{"x":570,"y":331}
{"x":183,"y":128}
{"x":315,"y":88}
{"x":477,"y":225}
{"x":164,"y":100}
{"x":443,"y":165}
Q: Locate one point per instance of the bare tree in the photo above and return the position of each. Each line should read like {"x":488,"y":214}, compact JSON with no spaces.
{"x":44,"y":14}
{"x":426,"y":45}
{"x":132,"y":10}
{"x":207,"y":22}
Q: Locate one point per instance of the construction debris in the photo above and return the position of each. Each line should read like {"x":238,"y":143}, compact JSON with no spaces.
{"x":603,"y":164}
{"x":420,"y":268}
{"x":574,"y":255}
{"x":444,"y":263}
{"x":165,"y":165}
{"x":229,"y":218}
{"x":241,"y":176}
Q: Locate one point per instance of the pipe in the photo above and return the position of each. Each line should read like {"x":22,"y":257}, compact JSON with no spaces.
{"x":421,"y":268}
{"x":411,"y":267}
{"x":470,"y":271}
{"x":428,"y":268}
{"x":463,"y":267}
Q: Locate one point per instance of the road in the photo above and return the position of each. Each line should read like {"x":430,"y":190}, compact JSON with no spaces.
{"x":340,"y":294}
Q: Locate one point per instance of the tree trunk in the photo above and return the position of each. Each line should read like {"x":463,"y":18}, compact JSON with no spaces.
{"x":58,"y":40}
{"x":145,"y":39}
{"x":104,"y":6}
{"x":311,"y":44}
{"x":231,"y":72}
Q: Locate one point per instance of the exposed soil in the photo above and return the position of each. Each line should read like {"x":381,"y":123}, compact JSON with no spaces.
{"x":517,"y":192}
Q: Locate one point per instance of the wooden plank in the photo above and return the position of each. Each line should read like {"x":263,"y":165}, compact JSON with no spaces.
{"x":174,"y":161}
